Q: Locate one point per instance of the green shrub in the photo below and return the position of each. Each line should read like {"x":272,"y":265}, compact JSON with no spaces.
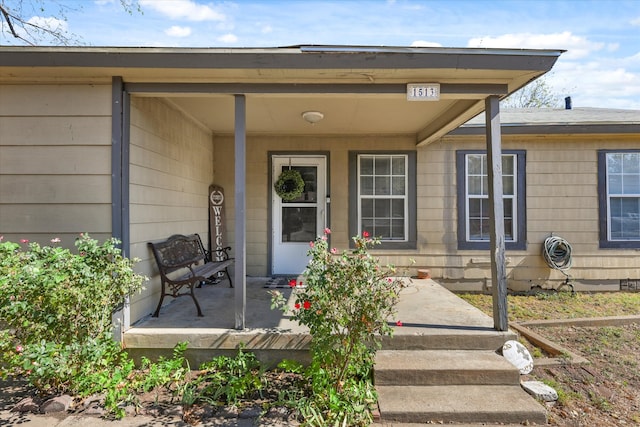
{"x":56,"y":309}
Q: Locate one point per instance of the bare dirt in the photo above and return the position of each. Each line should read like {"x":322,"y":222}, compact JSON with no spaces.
{"x":604,"y":392}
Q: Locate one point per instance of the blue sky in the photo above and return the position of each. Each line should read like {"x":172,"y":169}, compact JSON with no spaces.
{"x":601,"y":67}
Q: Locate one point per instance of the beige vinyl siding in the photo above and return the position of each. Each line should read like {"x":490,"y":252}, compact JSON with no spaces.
{"x":55,"y":162}
{"x":258,"y":193}
{"x":171,"y":168}
{"x":561,"y":178}
{"x":562,"y":198}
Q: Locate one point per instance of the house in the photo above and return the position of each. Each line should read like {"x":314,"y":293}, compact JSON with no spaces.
{"x":126,"y":142}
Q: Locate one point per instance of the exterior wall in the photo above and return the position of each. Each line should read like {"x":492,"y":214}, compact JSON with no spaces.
{"x":259,"y":193}
{"x":171,"y":168}
{"x":562,"y":198}
{"x":55,"y":162}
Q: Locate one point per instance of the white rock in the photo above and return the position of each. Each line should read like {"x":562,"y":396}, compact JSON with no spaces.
{"x":518,"y":356}
{"x":540,"y":390}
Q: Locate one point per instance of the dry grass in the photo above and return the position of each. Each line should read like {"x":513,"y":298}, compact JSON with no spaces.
{"x":562,"y":305}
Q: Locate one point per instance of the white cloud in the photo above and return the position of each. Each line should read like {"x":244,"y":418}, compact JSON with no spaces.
{"x":228,"y":38}
{"x":183,"y":9}
{"x":636,"y":21}
{"x":609,"y":83}
{"x":51,"y":23}
{"x":267,"y":29}
{"x":424,"y":43}
{"x":576,"y":46}
{"x":177,"y":31}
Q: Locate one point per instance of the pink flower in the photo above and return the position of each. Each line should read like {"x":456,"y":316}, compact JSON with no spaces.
{"x":399,"y":323}
{"x":306,"y":305}
{"x":19,"y":348}
{"x":311,"y":244}
{"x":56,"y":240}
{"x":334,"y":250}
{"x":365,"y":234}
{"x":389,"y":279}
{"x":1,"y":238}
{"x":324,"y":238}
{"x":292,"y":283}
{"x":327,"y":231}
{"x":24,"y":241}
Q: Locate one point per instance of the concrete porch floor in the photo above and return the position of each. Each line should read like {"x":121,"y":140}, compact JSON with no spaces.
{"x":432,"y":318}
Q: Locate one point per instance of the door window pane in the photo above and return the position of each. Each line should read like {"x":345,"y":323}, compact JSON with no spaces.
{"x":298,"y":224}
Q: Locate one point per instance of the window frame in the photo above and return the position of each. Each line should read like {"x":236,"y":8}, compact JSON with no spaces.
{"x":410,"y":198}
{"x":603,"y":204}
{"x":519,"y":204}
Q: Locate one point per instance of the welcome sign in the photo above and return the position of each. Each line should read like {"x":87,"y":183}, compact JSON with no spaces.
{"x":216,"y":222}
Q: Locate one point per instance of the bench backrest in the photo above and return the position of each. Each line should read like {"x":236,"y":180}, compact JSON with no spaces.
{"x":178,"y":251}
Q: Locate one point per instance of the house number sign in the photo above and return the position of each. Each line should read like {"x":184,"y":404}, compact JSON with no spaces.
{"x":423,"y":92}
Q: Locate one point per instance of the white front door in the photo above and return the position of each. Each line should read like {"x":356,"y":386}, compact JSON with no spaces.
{"x":300,"y":221}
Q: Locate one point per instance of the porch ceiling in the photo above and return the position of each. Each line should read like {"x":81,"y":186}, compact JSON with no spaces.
{"x":360,"y":90}
{"x":347,"y":114}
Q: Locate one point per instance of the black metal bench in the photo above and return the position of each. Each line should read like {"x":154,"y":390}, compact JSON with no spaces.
{"x":184,"y":262}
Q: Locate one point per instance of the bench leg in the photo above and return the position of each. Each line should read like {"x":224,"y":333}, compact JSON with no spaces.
{"x":193,"y":296}
{"x":157,"y":312}
{"x":226,"y":271}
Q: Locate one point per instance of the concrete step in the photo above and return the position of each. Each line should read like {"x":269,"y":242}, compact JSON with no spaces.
{"x":443,"y":367}
{"x":458,"y":404}
{"x":446,"y":337}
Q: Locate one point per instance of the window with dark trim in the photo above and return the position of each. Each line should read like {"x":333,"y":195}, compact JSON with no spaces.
{"x":382,"y":200}
{"x":473,"y":199}
{"x":619,"y":198}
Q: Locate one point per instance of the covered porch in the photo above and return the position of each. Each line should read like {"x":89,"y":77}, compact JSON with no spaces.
{"x":432,"y":317}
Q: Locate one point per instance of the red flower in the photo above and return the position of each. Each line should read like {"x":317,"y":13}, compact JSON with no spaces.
{"x":292,"y":283}
{"x":365,"y":234}
{"x":297,"y":306}
{"x":306,"y":305}
{"x":399,"y":323}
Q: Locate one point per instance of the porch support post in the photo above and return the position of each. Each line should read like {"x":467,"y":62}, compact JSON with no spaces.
{"x":496,"y":214}
{"x":240,"y":210}
{"x":120,"y":121}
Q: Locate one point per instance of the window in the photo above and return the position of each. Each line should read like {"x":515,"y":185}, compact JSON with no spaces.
{"x":384,"y":203}
{"x":619,"y":198}
{"x":474,"y":204}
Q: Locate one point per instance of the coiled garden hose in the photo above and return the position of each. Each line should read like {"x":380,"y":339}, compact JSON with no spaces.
{"x":557,"y":253}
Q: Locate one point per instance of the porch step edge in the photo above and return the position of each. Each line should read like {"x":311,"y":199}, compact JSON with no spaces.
{"x":443,"y":367}
{"x":459,"y":403}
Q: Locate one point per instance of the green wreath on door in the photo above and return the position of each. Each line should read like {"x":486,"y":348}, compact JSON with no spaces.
{"x":289,"y":185}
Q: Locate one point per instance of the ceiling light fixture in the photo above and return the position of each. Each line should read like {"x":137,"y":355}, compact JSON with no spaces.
{"x":312,"y":116}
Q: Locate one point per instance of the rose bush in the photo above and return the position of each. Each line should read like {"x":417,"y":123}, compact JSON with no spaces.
{"x":347,"y":302}
{"x":56,"y":308}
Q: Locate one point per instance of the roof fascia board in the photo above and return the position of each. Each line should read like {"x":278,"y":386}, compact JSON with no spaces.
{"x":480,"y":59}
{"x":449,"y":90}
{"x":549,"y":129}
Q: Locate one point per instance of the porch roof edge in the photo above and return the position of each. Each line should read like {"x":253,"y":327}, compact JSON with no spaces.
{"x":295,"y":57}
